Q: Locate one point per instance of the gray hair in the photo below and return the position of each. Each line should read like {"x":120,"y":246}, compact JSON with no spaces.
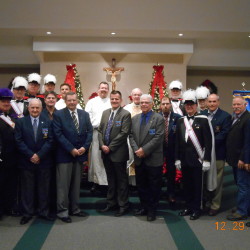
{"x":147,"y":96}
{"x":31,"y":100}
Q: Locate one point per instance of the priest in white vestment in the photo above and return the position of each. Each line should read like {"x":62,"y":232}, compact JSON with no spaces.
{"x":95,"y":107}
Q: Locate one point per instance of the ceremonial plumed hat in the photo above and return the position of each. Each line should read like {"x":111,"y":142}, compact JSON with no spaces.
{"x":189,"y":96}
{"x":175,"y":85}
{"x":34,"y":77}
{"x":49,"y":79}
{"x":19,"y":81}
{"x":202,"y":92}
{"x":5,"y":93}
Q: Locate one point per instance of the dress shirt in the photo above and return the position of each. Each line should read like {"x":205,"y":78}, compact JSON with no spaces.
{"x":148,"y":115}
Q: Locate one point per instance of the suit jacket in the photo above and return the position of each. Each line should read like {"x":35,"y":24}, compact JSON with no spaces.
{"x":7,"y":144}
{"x":169,"y":149}
{"x":67,"y":136}
{"x":27,"y":146}
{"x":118,"y":135}
{"x":151,"y":140}
{"x":185,"y":151}
{"x":236,"y":140}
{"x":221,"y":124}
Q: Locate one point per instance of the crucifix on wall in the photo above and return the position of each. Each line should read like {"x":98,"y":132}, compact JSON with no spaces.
{"x":113,"y":71}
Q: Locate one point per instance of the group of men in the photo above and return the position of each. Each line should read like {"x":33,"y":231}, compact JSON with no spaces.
{"x":53,"y":139}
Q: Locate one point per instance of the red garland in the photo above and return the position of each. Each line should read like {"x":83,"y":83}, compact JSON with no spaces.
{"x":158,"y":81}
{"x":93,"y":95}
{"x":70,"y":77}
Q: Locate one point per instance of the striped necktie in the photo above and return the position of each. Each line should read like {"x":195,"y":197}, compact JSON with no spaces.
{"x":75,"y":121}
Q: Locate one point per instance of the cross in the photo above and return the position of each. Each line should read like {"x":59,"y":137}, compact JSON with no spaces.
{"x":113,"y":71}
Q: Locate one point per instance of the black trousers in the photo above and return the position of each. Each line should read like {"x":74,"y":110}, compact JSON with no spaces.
{"x":171,"y":174}
{"x":149,"y":182}
{"x":8,"y":188}
{"x":35,"y":183}
{"x":118,"y":187}
{"x":192,"y":180}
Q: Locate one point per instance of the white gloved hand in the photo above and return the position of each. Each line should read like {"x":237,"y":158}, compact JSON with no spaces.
{"x":178,"y":164}
{"x":206,"y":166}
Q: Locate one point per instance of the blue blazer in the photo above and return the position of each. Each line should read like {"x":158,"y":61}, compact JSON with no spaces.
{"x":27,"y":146}
{"x":169,"y":150}
{"x":221,"y":124}
{"x":67,"y":136}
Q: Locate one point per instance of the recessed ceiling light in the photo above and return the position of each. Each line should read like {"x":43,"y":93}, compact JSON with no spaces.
{"x":180,"y":34}
{"x":113,"y":33}
{"x":249,"y":36}
{"x":48,"y":33}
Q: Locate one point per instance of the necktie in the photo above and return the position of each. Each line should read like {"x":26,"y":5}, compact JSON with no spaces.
{"x":210,"y":116}
{"x":235,"y":119}
{"x":75,"y":121}
{"x":17,"y":101}
{"x":142,"y":126}
{"x":166,"y":127}
{"x":108,"y":129}
{"x":35,"y":128}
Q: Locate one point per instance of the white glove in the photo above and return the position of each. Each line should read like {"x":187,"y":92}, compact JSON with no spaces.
{"x":178,"y":165}
{"x":206,"y":166}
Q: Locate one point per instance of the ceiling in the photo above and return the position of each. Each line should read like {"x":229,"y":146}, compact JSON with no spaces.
{"x":218,"y":30}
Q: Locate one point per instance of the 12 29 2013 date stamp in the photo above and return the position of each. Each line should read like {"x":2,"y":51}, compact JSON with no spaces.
{"x":230,"y":226}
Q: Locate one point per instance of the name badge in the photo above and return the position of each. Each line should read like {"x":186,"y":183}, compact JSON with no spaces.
{"x":217,"y":129}
{"x":152,"y":131}
{"x":45,"y":132}
{"x":118,"y":123}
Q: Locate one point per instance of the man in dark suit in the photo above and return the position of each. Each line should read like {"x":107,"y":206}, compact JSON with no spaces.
{"x":34,"y":140}
{"x":50,"y":99}
{"x":73,"y":133}
{"x":237,"y":156}
{"x":221,"y":123}
{"x":112,"y":134}
{"x":146,"y":140}
{"x":8,"y":156}
{"x":193,"y":154}
{"x":170,"y":119}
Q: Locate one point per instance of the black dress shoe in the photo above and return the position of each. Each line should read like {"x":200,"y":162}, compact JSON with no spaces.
{"x":151,"y":216}
{"x":195,"y":216}
{"x":25,"y":220}
{"x":185,"y":212}
{"x":80,"y":214}
{"x":140,"y":212}
{"x":121,"y":212}
{"x":107,"y":209}
{"x":66,"y":219}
